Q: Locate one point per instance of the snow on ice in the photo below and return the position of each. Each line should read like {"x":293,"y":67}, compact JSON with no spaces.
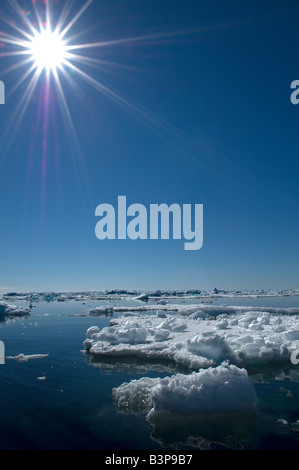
{"x":204,"y":338}
{"x":225,"y":388}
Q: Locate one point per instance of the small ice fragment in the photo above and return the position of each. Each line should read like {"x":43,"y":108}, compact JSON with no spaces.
{"x":222,"y":325}
{"x":178,"y":326}
{"x":199,"y":315}
{"x":101,"y":311}
{"x":282,"y":422}
{"x":24,"y":358}
{"x":143,"y":297}
{"x":161,"y":335}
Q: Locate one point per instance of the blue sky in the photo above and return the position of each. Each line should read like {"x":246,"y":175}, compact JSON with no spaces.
{"x":208,"y":121}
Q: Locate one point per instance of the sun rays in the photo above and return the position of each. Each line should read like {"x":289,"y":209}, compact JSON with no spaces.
{"x":44,"y":42}
{"x":47,"y":58}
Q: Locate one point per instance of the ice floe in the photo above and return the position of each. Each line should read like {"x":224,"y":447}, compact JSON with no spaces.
{"x":213,"y":406}
{"x":201,"y":339}
{"x":225,"y":388}
{"x":10,"y":311}
{"x":194,"y":410}
{"x":25,"y":358}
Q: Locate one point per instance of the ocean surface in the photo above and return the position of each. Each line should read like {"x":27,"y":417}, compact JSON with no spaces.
{"x":62,"y":401}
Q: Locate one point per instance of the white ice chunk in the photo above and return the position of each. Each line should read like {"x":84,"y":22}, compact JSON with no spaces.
{"x":222,"y":324}
{"x":143,"y":297}
{"x":161,"y":335}
{"x":213,"y":347}
{"x":7,"y":310}
{"x":132,"y":335}
{"x":172,"y":325}
{"x":101,"y":311}
{"x":223,"y":389}
{"x":198,"y":314}
{"x":136,"y":396}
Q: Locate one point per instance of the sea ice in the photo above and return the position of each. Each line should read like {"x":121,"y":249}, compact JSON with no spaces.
{"x":221,"y":389}
{"x":101,"y":311}
{"x":135,"y":397}
{"x":25,"y":358}
{"x":201,"y":310}
{"x":241,"y":337}
{"x":216,"y":343}
{"x":7,"y":310}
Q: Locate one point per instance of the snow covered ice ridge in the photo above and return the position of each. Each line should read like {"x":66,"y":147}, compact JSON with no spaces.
{"x":200,"y":340}
{"x":187,"y":310}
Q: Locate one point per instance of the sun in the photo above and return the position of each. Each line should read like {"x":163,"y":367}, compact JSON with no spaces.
{"x":48,"y":50}
{"x":42,"y":40}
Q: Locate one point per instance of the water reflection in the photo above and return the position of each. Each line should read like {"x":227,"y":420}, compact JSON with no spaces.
{"x":263,"y":373}
{"x":133,"y":365}
{"x":4,"y":319}
{"x":231,"y":430}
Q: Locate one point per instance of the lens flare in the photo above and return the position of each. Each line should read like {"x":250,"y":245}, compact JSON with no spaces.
{"x":44,"y":44}
{"x":47,"y":50}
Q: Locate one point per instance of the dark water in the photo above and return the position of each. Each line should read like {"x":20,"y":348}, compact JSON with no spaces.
{"x":72,"y":407}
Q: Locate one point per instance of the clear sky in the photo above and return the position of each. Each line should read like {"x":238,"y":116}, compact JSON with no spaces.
{"x":197,"y":112}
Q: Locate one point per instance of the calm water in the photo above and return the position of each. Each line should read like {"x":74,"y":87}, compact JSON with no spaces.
{"x":72,"y":407}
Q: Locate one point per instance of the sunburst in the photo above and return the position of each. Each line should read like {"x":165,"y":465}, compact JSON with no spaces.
{"x":44,"y":38}
{"x":47,"y":49}
{"x":43,"y":44}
